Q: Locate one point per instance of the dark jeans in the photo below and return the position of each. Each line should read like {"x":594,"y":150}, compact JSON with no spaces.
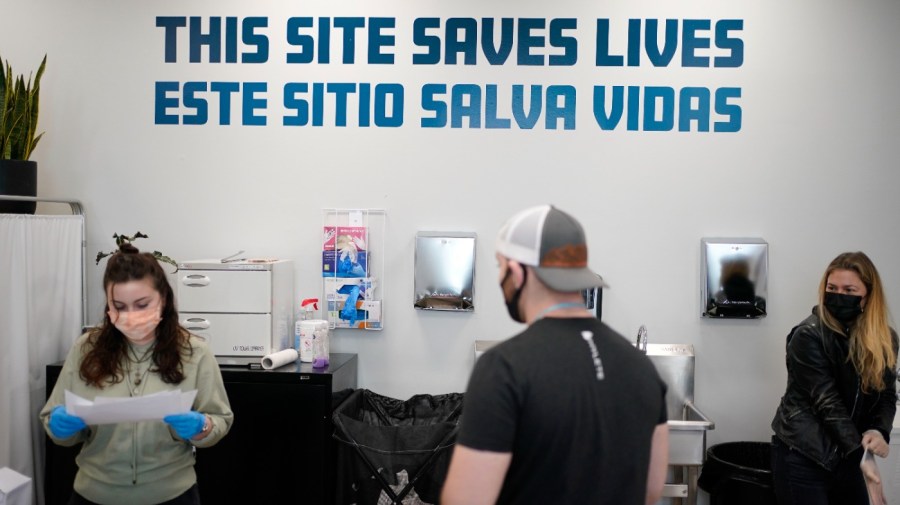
{"x":799,"y":480}
{"x":189,"y":497}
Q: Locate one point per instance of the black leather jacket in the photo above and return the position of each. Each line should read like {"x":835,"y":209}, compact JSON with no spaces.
{"x":824,"y":412}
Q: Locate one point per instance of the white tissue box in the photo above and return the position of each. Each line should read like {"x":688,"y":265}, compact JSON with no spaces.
{"x":373,"y":307}
{"x":15,"y":488}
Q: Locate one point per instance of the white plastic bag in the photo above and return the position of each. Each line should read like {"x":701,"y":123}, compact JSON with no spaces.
{"x":874,"y":484}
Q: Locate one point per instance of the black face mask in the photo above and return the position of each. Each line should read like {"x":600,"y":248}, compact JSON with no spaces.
{"x":844,"y":308}
{"x":512,"y":304}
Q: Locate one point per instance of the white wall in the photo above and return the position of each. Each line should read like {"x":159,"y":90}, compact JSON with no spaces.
{"x":813,"y":171}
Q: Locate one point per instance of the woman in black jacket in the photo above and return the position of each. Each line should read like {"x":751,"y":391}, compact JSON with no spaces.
{"x":841,"y":390}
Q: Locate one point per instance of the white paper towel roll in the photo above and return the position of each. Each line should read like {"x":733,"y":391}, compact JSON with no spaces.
{"x":279,"y":358}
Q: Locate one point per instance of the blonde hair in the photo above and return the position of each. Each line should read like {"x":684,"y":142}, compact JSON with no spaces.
{"x":871,"y":346}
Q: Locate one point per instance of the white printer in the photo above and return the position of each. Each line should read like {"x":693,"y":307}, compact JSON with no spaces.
{"x":244,"y":309}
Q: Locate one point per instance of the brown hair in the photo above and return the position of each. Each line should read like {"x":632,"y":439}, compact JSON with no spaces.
{"x":871,"y":346}
{"x":106,"y":348}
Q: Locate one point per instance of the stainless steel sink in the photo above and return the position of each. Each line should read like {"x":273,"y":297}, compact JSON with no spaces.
{"x":687,"y":424}
{"x":687,"y":436}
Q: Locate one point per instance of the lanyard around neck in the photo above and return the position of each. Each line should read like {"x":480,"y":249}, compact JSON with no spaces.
{"x":558,"y":306}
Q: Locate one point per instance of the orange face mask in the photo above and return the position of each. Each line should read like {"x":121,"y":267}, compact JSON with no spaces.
{"x":136,"y":325}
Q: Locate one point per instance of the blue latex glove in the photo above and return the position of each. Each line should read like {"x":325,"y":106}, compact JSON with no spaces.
{"x":344,"y":265}
{"x":187,"y":425}
{"x":63,"y":424}
{"x":359,"y":315}
{"x":347,"y":268}
{"x":346,"y":289}
{"x":349,"y":310}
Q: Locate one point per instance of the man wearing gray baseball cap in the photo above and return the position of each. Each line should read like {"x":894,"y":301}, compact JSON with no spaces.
{"x":567,"y":411}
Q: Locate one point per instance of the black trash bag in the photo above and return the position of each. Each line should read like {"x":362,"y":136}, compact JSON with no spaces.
{"x":380,"y":437}
{"x":738,"y":473}
{"x":338,"y":397}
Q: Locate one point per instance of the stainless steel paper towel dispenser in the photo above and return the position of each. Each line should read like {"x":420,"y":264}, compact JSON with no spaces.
{"x":445,"y":271}
{"x":735,"y":277}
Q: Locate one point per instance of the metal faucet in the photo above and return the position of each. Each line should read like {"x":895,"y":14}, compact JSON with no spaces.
{"x":641,"y":343}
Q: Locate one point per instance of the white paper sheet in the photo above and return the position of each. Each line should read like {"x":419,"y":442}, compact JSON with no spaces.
{"x":110,"y":410}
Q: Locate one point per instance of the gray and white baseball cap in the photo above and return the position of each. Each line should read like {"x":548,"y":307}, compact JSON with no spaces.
{"x":552,"y":242}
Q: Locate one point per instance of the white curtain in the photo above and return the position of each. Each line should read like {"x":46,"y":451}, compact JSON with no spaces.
{"x":40,"y":317}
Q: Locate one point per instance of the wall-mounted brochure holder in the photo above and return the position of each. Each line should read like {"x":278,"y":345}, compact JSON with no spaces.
{"x":735,"y":277}
{"x":445,"y":271}
{"x":353,"y":268}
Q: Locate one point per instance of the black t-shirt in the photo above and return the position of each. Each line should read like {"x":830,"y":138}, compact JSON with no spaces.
{"x":576,"y":404}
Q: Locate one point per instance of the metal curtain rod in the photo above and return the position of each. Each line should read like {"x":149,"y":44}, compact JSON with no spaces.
{"x":75,"y":205}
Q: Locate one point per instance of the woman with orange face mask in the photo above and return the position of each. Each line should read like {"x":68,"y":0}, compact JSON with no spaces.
{"x":139,"y":349}
{"x":841,"y":392}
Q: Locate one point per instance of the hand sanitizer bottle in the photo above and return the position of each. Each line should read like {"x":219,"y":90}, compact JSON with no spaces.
{"x":303,"y":334}
{"x":320,"y":346}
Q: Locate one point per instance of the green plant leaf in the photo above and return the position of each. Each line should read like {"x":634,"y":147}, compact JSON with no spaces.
{"x":4,"y":99}
{"x":101,"y":255}
{"x":19,"y":115}
{"x":32,"y":137}
{"x":165,"y":259}
{"x":35,"y":142}
{"x":6,"y":106}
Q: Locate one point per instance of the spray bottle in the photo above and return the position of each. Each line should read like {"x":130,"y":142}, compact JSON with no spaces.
{"x":303,"y":338}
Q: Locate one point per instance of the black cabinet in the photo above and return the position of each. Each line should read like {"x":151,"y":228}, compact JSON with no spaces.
{"x":279,"y":450}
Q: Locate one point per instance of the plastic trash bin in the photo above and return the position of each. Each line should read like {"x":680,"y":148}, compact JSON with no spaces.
{"x":391,"y":451}
{"x":738,"y":473}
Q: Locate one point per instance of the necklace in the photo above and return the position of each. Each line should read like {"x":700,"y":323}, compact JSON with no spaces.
{"x":138,"y":361}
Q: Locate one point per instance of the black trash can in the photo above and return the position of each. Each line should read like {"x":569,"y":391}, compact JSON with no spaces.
{"x":393,"y":451}
{"x":738,"y":473}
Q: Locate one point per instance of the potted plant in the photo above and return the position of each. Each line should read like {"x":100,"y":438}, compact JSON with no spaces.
{"x":18,"y":136}
{"x":122,"y":239}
